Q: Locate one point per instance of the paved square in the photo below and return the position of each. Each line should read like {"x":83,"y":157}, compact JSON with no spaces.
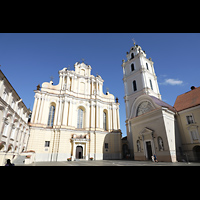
{"x":109,"y":163}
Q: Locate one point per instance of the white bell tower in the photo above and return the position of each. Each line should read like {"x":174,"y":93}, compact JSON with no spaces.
{"x":138,"y":76}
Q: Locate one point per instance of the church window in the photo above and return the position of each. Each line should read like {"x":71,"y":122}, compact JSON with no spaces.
{"x":80,"y":119}
{"x":82,"y":72}
{"x":51,"y":116}
{"x":132,"y":55}
{"x":190,"y":119}
{"x":151,"y":84}
{"x":132,"y":67}
{"x":134,"y":86}
{"x":147,"y":66}
{"x":104,"y":121}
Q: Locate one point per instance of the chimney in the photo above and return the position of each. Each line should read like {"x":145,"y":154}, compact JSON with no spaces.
{"x":193,"y":87}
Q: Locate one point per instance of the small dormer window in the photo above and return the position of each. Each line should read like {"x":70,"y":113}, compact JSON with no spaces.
{"x":132,"y":55}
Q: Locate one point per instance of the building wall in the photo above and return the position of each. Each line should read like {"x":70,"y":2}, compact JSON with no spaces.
{"x":76,"y":90}
{"x":185,"y":129}
{"x":14,"y":129}
{"x":148,"y":127}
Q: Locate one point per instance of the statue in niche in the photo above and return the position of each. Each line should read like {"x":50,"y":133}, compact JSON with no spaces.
{"x":160,"y":144}
{"x":138,"y":146}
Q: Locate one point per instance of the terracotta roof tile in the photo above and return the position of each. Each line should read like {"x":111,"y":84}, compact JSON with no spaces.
{"x":188,"y":100}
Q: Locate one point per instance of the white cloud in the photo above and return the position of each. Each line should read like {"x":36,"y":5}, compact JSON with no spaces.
{"x":171,"y":81}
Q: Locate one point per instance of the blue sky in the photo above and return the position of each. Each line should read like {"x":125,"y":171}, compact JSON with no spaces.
{"x":29,"y":59}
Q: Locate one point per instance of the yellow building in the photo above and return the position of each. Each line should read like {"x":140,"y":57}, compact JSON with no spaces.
{"x":187,"y":106}
{"x":75,"y":119}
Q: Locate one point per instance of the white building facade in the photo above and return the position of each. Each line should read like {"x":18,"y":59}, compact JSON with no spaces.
{"x":150,"y":122}
{"x":14,"y":129}
{"x":75,"y":119}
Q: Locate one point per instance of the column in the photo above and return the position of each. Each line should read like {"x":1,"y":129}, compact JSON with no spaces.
{"x":34,"y":110}
{"x":37,"y":111}
{"x":41,"y":109}
{"x":92,"y":117}
{"x":97,"y":115}
{"x":101,"y":117}
{"x":72,"y":86}
{"x":118,"y":119}
{"x":114,"y":118}
{"x":111,"y":119}
{"x":60,"y":112}
{"x":86,"y":153}
{"x":74,"y":148}
{"x":56,"y":113}
{"x":87,"y":116}
{"x":65,"y":114}
{"x":70,"y":113}
{"x":91,"y":87}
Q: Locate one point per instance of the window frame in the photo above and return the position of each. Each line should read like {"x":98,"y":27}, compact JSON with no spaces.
{"x":134,"y":84}
{"x":50,"y":121}
{"x":190,"y":119}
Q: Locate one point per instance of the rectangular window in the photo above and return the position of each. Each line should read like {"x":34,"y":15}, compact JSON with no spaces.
{"x":47,"y":143}
{"x":106,"y":145}
{"x":194,"y":135}
{"x":190,"y":119}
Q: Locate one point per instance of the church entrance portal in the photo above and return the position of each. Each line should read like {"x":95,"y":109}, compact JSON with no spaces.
{"x":79,"y":152}
{"x":149,"y":150}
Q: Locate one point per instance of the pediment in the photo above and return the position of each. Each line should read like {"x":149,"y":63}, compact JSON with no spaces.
{"x":146,"y":131}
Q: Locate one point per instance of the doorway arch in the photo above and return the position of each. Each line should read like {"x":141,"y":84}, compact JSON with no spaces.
{"x":79,"y":152}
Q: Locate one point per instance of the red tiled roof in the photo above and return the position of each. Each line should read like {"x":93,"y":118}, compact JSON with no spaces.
{"x":188,"y":100}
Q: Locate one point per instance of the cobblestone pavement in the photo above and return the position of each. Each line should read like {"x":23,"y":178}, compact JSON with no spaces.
{"x":110,"y":163}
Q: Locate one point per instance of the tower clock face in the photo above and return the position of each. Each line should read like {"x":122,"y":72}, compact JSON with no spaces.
{"x":143,"y":108}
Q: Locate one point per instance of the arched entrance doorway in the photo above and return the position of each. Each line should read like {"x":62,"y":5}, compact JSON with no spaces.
{"x":196,"y":151}
{"x":79,"y":152}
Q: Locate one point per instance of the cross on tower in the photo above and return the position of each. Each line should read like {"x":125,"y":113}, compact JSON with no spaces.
{"x":83,"y":60}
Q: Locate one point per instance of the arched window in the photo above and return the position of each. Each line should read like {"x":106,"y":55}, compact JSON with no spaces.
{"x":147,"y":66}
{"x":132,"y":67}
{"x":134,"y":86}
{"x":132,"y":55}
{"x":151,"y":84}
{"x":80,"y":118}
{"x":104,"y":121}
{"x":51,"y":115}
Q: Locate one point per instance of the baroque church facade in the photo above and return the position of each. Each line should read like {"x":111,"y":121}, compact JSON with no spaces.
{"x":75,"y":119}
{"x":150,"y":122}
